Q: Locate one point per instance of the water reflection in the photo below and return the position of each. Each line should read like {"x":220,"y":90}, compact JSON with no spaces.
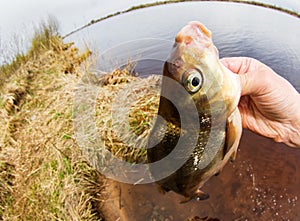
{"x":238,"y":30}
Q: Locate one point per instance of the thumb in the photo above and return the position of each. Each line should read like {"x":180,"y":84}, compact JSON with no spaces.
{"x":247,"y":70}
{"x":248,"y":85}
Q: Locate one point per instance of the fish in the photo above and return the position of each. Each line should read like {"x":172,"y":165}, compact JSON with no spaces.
{"x":182,"y":158}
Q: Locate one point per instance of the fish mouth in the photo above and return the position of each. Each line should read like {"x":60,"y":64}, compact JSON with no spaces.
{"x":195,"y":36}
{"x":194,"y":32}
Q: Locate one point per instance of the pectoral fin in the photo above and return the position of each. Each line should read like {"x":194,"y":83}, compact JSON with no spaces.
{"x":233,"y":135}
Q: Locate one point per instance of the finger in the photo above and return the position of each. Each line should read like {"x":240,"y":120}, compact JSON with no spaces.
{"x":248,"y":85}
{"x":238,"y":65}
{"x":251,"y":73}
{"x":241,"y":66}
{"x":245,"y":108}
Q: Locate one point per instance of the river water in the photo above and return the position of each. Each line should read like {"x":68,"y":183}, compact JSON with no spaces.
{"x":238,"y":30}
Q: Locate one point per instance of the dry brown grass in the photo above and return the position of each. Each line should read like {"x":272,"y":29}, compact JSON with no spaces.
{"x":43,"y":175}
{"x":119,"y":87}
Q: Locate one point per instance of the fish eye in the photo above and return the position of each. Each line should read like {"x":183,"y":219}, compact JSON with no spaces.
{"x":192,"y":80}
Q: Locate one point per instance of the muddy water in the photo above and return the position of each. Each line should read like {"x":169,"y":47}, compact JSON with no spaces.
{"x":264,"y":181}
{"x":262,"y":184}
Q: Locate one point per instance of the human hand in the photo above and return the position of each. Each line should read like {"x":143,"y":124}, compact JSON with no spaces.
{"x":269,"y":105}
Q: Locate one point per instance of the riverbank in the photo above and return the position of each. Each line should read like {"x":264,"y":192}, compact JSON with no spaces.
{"x":43,"y":175}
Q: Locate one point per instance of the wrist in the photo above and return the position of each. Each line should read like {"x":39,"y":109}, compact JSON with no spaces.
{"x":294,"y":136}
{"x":294,"y":132}
{"x":290,"y":131}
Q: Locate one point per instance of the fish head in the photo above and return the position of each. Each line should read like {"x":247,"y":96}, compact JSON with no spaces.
{"x":194,"y":63}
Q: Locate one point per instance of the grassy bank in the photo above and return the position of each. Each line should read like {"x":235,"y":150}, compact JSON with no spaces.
{"x":43,"y":175}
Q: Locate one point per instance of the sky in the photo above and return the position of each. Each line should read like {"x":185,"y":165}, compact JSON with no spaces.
{"x":16,"y":14}
{"x":19,"y":17}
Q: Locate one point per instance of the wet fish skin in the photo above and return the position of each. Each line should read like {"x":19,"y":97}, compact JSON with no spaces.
{"x":194,"y":63}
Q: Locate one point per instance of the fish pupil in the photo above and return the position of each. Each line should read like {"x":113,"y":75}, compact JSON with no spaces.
{"x":195,"y":81}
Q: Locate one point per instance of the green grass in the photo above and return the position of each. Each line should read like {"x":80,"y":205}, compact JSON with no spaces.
{"x":45,"y":38}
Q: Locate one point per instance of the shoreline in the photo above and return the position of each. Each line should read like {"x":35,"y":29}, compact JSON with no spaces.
{"x":148,"y":5}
